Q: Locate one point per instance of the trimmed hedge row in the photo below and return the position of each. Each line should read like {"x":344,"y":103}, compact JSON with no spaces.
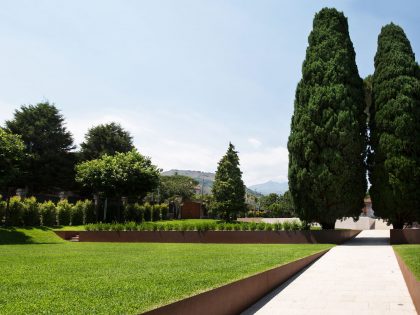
{"x":190,"y":226}
{"x":29,"y":212}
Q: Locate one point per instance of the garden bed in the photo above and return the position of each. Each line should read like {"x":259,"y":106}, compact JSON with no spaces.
{"x":405,"y":236}
{"x":217,"y":237}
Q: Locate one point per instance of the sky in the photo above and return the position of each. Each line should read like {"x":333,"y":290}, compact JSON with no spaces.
{"x":185,"y":78}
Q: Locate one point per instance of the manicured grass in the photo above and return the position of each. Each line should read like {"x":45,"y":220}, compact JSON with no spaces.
{"x":411,"y":256}
{"x":69,"y":228}
{"x":123,"y":278}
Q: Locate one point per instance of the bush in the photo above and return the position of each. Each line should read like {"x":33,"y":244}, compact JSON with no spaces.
{"x":147,"y":210}
{"x":287,"y":226}
{"x":31,"y":216}
{"x":164,"y":208}
{"x":77,"y":213}
{"x":2,"y":209}
{"x":16,"y":212}
{"x":48,"y":212}
{"x":89,"y":213}
{"x":155,"y":212}
{"x":260,"y":226}
{"x":63,"y":212}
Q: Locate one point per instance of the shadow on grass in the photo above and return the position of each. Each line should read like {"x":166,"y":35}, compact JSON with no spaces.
{"x":12,"y":236}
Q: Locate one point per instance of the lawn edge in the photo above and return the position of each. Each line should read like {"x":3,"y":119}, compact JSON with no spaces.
{"x":411,"y":281}
{"x":235,"y":297}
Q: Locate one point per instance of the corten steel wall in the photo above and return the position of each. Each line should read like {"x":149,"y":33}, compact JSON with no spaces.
{"x":413,"y":284}
{"x":219,"y":237}
{"x":66,"y":235}
{"x":190,"y":210}
{"x":235,"y":297}
{"x":405,"y":236}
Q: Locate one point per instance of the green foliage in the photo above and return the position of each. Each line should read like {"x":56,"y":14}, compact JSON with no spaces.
{"x":277,"y":206}
{"x":48,"y":212}
{"x":228,"y":188}
{"x":63,"y":212}
{"x":177,"y":186}
{"x":106,"y":139}
{"x":124,"y":174}
{"x":394,"y":164}
{"x":78,"y":213}
{"x":12,"y":156}
{"x":327,"y":142}
{"x":31,"y":216}
{"x":16,"y":212}
{"x":2,"y":209}
{"x":194,"y":225}
{"x":50,"y":161}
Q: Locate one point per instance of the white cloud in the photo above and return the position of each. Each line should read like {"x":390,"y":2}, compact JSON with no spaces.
{"x":264,"y":165}
{"x":255,"y":142}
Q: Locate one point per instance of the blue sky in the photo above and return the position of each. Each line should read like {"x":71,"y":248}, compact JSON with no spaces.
{"x":184,"y":77}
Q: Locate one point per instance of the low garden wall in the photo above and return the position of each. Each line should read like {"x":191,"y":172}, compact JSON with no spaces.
{"x":413,"y":284}
{"x":405,"y":236}
{"x":235,"y":297}
{"x":218,"y":237}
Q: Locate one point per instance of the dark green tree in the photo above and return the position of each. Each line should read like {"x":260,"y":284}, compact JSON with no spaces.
{"x":228,"y":188}
{"x":12,"y":156}
{"x":106,"y":139}
{"x":123,"y":174}
{"x":50,"y":163}
{"x":394,"y":168}
{"x":327,"y":142}
{"x":177,"y":186}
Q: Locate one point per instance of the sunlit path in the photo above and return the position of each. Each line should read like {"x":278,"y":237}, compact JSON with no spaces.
{"x":359,"y":277}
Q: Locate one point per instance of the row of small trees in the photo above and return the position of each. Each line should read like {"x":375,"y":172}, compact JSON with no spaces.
{"x":341,"y":128}
{"x":30,"y":212}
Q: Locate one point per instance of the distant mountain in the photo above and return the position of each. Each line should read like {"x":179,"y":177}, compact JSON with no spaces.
{"x":205,"y":178}
{"x":270,"y":187}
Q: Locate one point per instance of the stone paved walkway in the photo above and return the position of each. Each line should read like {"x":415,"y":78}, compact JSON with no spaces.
{"x":359,"y":277}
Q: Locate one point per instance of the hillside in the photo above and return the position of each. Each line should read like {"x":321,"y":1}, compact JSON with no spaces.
{"x":271,"y":187}
{"x":205,"y":178}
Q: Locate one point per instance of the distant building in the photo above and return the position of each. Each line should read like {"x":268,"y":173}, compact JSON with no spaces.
{"x":367,"y":211}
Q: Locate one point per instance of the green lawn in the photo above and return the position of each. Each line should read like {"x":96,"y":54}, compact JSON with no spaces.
{"x":411,"y":256}
{"x":54,"y":276}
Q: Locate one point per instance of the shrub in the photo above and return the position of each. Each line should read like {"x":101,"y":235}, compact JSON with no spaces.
{"x":77,"y":213}
{"x":287,"y":226}
{"x":31,"y":216}
{"x":277,"y":226}
{"x":48,"y":212}
{"x":147,"y":208}
{"x":16,"y":211}
{"x":155,"y":210}
{"x":268,"y":227}
{"x":130,"y":212}
{"x":89,"y":213}
{"x":295,"y":225}
{"x":164,"y":208}
{"x":261,"y":226}
{"x":63,"y":212}
{"x":2,"y":209}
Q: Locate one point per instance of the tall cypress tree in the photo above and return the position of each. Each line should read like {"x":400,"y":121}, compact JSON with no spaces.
{"x":395,"y":130}
{"x":228,"y":188}
{"x":327,"y":142}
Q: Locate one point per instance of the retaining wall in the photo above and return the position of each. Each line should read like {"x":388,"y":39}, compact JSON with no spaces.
{"x":218,"y":237}
{"x":413,"y":284}
{"x":235,"y":297}
{"x":405,"y":236}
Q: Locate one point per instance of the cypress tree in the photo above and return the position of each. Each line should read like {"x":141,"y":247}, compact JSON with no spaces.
{"x":228,"y":188}
{"x":327,"y":142}
{"x":395,"y":130}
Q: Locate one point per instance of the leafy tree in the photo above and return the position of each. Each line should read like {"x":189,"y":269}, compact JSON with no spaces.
{"x":106,"y":139}
{"x":228,"y":188}
{"x":327,"y":143}
{"x":48,"y":143}
{"x":177,"y":186}
{"x":395,"y":130}
{"x":123,"y":174}
{"x":12,"y":155}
